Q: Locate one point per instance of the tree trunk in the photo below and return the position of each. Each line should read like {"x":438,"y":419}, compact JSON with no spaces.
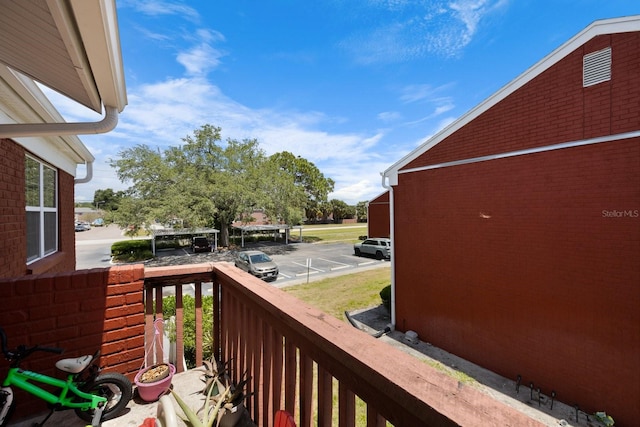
{"x":224,"y":235}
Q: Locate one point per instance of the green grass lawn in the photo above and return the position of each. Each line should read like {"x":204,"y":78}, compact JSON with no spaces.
{"x":331,"y":232}
{"x":336,"y":295}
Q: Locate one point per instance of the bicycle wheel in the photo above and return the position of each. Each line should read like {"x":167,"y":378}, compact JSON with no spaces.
{"x":116,"y":388}
{"x":6,"y":407}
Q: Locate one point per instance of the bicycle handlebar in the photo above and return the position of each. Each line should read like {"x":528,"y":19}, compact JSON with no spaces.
{"x":21,"y":352}
{"x":49,"y":349}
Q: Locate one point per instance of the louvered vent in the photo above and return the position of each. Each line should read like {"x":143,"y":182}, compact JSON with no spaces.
{"x":596,"y":67}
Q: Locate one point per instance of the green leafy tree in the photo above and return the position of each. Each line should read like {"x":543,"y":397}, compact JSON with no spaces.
{"x":308,"y":177}
{"x":229,"y":174}
{"x":206,"y":182}
{"x":340,"y":210}
{"x":361,"y":211}
{"x":203,"y":183}
{"x":284,"y":200}
{"x":107,"y":199}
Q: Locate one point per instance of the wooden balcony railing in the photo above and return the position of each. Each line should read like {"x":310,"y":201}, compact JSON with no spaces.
{"x":298,"y":358}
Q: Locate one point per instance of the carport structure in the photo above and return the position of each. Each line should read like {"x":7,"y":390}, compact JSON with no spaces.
{"x":165,"y":233}
{"x":267,"y":228}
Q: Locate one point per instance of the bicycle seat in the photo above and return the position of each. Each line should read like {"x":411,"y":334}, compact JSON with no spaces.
{"x":73,"y":366}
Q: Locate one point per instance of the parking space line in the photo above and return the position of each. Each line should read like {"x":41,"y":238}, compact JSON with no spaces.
{"x":305,"y":274}
{"x":285,"y":276}
{"x":365,"y":263}
{"x":312,"y":268}
{"x":341,"y":264}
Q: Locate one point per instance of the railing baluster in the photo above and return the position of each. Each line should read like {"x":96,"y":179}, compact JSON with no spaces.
{"x":256,"y":374}
{"x":198,"y":316}
{"x":217,"y":335}
{"x":347,"y":406}
{"x":148,"y":325}
{"x":179,"y":329}
{"x":374,"y":419}
{"x":277,"y":369}
{"x":225,"y":319}
{"x":325,"y":398}
{"x":246,"y":336}
{"x":306,"y":390}
{"x":291,"y":376}
{"x":266,"y":383}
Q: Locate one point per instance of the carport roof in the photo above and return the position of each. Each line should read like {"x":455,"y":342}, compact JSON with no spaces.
{"x":184,"y":232}
{"x":265,"y":227}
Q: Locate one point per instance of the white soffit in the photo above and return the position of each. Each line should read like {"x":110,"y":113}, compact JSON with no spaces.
{"x":40,"y":39}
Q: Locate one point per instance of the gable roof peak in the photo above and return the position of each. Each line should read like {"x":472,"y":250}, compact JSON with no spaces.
{"x":600,"y":27}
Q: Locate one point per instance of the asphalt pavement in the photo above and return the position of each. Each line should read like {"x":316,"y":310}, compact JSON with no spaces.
{"x":298,"y":262}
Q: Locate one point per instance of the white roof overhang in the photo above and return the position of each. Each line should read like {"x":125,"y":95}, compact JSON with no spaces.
{"x":597,"y":28}
{"x":71,"y":46}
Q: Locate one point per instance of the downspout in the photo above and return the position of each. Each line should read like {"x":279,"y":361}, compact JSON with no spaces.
{"x":393,"y":250}
{"x":105,"y":125}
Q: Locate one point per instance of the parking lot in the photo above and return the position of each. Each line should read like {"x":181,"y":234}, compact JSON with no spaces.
{"x":308,"y":261}
{"x":297,"y":262}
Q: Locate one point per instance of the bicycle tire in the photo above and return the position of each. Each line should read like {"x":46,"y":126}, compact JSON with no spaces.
{"x":116,"y":388}
{"x":7,"y":418}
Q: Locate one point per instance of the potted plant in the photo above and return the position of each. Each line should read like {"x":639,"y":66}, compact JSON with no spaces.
{"x":224,"y":402}
{"x":154,"y":381}
{"x":215,"y":377}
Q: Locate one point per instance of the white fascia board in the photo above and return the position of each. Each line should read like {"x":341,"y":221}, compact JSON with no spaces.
{"x":98,"y":26}
{"x":597,"y":28}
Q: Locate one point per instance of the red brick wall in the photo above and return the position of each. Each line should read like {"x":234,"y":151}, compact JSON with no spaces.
{"x":79,"y":311}
{"x":378,"y":216}
{"x":13,"y":246}
{"x":529,"y":265}
{"x":13,"y":219}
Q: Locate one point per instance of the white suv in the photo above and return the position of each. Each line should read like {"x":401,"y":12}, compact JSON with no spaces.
{"x":378,"y":247}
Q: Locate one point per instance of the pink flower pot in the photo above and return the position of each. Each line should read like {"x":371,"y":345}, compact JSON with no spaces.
{"x":151,"y":391}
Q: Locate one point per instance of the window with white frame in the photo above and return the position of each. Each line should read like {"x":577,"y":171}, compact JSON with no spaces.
{"x":41,"y":187}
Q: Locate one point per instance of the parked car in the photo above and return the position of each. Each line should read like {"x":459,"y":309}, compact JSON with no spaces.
{"x":200,"y":244}
{"x":257,"y":263}
{"x":98,"y":222}
{"x":82,"y":226}
{"x":378,"y":247}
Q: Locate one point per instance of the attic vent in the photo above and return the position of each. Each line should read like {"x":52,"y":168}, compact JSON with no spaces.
{"x":596,"y":67}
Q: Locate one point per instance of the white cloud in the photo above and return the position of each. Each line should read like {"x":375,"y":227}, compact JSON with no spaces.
{"x":389,"y":116}
{"x":419,"y":29}
{"x":162,"y":7}
{"x":200,"y":59}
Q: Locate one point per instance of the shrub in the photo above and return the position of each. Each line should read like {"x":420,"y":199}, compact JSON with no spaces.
{"x":385,"y":295}
{"x":189,"y":303}
{"x":131,"y":250}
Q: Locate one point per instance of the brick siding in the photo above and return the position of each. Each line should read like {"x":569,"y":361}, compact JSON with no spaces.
{"x":529,"y":265}
{"x":13,"y":245}
{"x":80,"y":311}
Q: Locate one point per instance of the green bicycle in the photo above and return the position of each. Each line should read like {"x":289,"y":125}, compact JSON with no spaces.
{"x":94,"y":397}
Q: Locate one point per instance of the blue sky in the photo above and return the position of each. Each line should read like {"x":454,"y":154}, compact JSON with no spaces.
{"x":350,"y":85}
